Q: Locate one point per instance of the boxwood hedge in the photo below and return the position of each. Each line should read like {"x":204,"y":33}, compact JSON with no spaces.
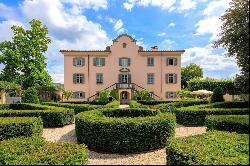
{"x":124,"y":130}
{"x":76,"y":107}
{"x":156,"y":102}
{"x":230,"y":104}
{"x":195,"y":115}
{"x":232,"y":123}
{"x":20,"y":126}
{"x":37,"y":151}
{"x":86,"y":102}
{"x":51,"y":116}
{"x":211,"y":148}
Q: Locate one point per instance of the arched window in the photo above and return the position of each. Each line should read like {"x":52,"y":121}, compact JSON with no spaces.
{"x":124,"y":45}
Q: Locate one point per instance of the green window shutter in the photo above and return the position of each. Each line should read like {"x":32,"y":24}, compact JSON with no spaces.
{"x":129,"y":78}
{"x":74,"y":61}
{"x":120,"y":78}
{"x":103,"y":61}
{"x":83,"y":95}
{"x":129,"y":61}
{"x":83,"y":78}
{"x":175,"y":78}
{"x":166,"y":78}
{"x":175,"y":61}
{"x":167,"y":61}
{"x":102,"y":78}
{"x":175,"y":95}
{"x":94,"y":61}
{"x":167,"y":95}
{"x":83,"y":61}
{"x":74,"y":78}
{"x":120,"y":61}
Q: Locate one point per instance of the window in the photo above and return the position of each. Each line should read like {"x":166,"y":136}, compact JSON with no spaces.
{"x":99,"y":78}
{"x":171,"y":61}
{"x":97,"y":96}
{"x":124,"y":45}
{"x":171,"y":95}
{"x":150,"y":78}
{"x":79,"y":95}
{"x":151,"y":94}
{"x":171,"y":78}
{"x":99,"y":62}
{"x":124,"y":62}
{"x":150,"y":61}
{"x":78,"y":61}
{"x":78,"y":78}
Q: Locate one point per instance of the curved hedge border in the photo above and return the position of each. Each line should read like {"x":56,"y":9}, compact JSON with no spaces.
{"x":37,"y":151}
{"x":181,"y":102}
{"x":86,"y":102}
{"x":20,"y":126}
{"x":195,"y":115}
{"x":76,"y":107}
{"x":232,"y":123}
{"x":51,"y":116}
{"x":124,"y":134}
{"x":211,"y":148}
{"x":230,"y":104}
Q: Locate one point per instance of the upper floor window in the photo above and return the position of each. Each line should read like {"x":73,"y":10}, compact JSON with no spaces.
{"x":99,"y":78}
{"x":150,"y":61}
{"x":150,"y":78}
{"x":171,"y":95}
{"x":99,"y":62}
{"x":171,"y":61}
{"x":124,"y":45}
{"x":78,"y":61}
{"x":78,"y":78}
{"x":79,"y":95}
{"x":124,"y":62}
{"x":171,"y":78}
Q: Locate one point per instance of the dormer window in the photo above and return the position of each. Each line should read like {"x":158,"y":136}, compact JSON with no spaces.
{"x":124,"y":45}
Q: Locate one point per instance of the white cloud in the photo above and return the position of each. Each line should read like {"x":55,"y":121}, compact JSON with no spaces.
{"x":161,"y":34}
{"x":118,"y":25}
{"x":170,"y":5}
{"x":208,"y":59}
{"x":211,"y":23}
{"x":171,"y":24}
{"x":68,"y":29}
{"x":166,"y":44}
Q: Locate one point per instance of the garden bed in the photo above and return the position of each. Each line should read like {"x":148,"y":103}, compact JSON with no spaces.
{"x":211,"y":148}
{"x":232,"y":123}
{"x":124,"y":130}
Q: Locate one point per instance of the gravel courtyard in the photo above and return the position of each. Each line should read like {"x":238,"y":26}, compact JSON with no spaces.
{"x":156,"y":157}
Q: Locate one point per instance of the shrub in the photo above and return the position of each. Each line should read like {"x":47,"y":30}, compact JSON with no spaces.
{"x":20,"y":126}
{"x":232,"y":123}
{"x":230,"y":104}
{"x":36,"y":151}
{"x":4,"y":106}
{"x":217,"y":95}
{"x":30,"y":95}
{"x":143,"y":94}
{"x":51,"y":116}
{"x":135,"y":104}
{"x":113,"y":104}
{"x":195,"y":115}
{"x":76,"y":107}
{"x":211,"y":148}
{"x":94,"y":102}
{"x":155,"y":102}
{"x":114,"y":130}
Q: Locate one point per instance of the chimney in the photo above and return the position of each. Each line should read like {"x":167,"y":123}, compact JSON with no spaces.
{"x":154,"y":48}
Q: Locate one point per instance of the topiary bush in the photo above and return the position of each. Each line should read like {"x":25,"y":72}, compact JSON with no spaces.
{"x":211,"y":148}
{"x":51,"y":116}
{"x":217,"y":95}
{"x":30,"y":95}
{"x":113,"y":104}
{"x":37,"y":151}
{"x":124,"y":130}
{"x":232,"y":123}
{"x":20,"y":126}
{"x":135,"y":104}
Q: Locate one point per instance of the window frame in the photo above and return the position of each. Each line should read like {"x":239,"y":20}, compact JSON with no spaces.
{"x":150,"y":61}
{"x":99,"y":78}
{"x":150,"y":78}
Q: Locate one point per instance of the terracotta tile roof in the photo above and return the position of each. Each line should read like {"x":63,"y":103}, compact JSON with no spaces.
{"x":85,"y":51}
{"x":163,"y":51}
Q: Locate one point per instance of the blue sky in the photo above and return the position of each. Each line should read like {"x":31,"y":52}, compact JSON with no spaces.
{"x":192,"y":25}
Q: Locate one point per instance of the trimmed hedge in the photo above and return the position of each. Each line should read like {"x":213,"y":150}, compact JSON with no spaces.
{"x":156,"y":102}
{"x":135,"y":104}
{"x":76,"y":107}
{"x":211,"y":148}
{"x":86,"y":102}
{"x":104,"y":131}
{"x":230,"y":104}
{"x":36,"y":151}
{"x":51,"y":116}
{"x":195,"y":115}
{"x":4,"y":107}
{"x":165,"y":107}
{"x":113,"y":104}
{"x":20,"y":126}
{"x":232,"y":123}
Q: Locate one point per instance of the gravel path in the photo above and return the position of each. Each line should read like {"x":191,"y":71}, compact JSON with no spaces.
{"x":156,"y":157}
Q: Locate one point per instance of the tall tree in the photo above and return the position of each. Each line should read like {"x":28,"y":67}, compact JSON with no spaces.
{"x":190,"y":72}
{"x":23,"y":57}
{"x":235,"y":38}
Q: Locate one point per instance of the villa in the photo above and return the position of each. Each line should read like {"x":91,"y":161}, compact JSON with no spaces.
{"x":123,"y":66}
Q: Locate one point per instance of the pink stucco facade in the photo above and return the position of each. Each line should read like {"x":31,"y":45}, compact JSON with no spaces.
{"x":124,"y":46}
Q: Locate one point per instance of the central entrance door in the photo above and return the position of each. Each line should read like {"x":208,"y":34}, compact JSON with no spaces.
{"x":124,"y":97}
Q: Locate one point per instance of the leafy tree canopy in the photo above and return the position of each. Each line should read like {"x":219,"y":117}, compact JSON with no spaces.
{"x":190,"y":72}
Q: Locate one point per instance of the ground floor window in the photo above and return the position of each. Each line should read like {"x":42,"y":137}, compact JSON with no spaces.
{"x":79,"y":95}
{"x":171,"y":95}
